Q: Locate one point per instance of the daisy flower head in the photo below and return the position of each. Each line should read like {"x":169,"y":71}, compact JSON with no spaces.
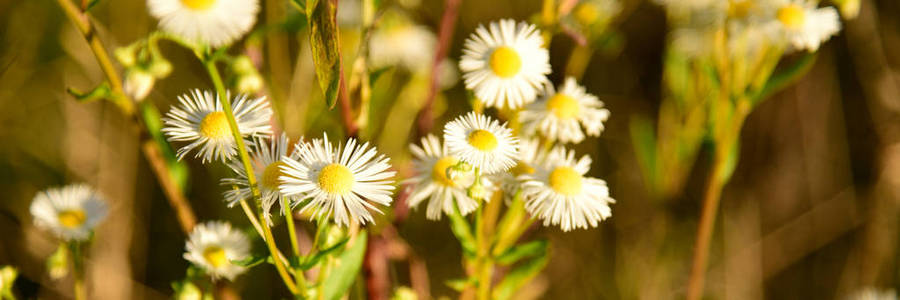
{"x":803,"y":25}
{"x":482,"y":142}
{"x":213,"y":245}
{"x":505,"y":63}
{"x":208,"y":22}
{"x":437,"y":182}
{"x":560,"y":115}
{"x":70,"y":212}
{"x":199,"y":119}
{"x":267,"y":162}
{"x":530,"y":158}
{"x":560,"y":194}
{"x":341,"y":182}
{"x":399,"y":41}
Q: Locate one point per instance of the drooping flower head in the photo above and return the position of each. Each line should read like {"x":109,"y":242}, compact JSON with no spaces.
{"x":559,"y":193}
{"x":559,"y":116}
{"x":213,"y":245}
{"x":209,"y":22}
{"x":481,"y":142}
{"x":505,"y":63}
{"x":267,"y":162}
{"x":342,"y":182}
{"x":70,"y":212}
{"x":199,"y":119}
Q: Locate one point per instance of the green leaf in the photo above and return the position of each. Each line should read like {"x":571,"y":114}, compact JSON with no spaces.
{"x":309,"y":261}
{"x":90,"y":5}
{"x":375,"y":74}
{"x":519,"y":276}
{"x":250,"y":261}
{"x":153,"y":121}
{"x":102,"y":91}
{"x":463,"y":233}
{"x":516,"y":253}
{"x":300,"y":5}
{"x":786,"y":77}
{"x":346,"y":267}
{"x":460,"y":284}
{"x":323,"y":38}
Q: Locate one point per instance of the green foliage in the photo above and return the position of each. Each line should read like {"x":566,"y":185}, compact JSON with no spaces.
{"x":519,"y":276}
{"x":58,"y":262}
{"x":100,"y":92}
{"x":323,"y":38}
{"x":785,"y":77}
{"x":460,"y":284}
{"x":519,"y":252}
{"x":309,"y":261}
{"x":347,"y":266}
{"x":463,"y":233}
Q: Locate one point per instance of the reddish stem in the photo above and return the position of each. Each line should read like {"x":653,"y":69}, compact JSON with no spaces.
{"x":425,"y":119}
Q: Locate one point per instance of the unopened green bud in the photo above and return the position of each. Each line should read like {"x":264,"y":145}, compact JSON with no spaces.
{"x":125,"y":56}
{"x":8,"y":276}
{"x":138,"y":83}
{"x":250,"y":83}
{"x":58,"y":263}
{"x":187,"y":291}
{"x":404,"y":293}
{"x":242,"y":65}
{"x":160,"y":68}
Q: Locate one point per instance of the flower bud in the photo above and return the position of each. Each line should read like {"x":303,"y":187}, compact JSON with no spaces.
{"x":125,"y":56}
{"x":138,"y":84}
{"x":249,"y":83}
{"x":160,"y":68}
{"x":58,"y":263}
{"x":242,"y":65}
{"x":187,"y":291}
{"x":8,"y":276}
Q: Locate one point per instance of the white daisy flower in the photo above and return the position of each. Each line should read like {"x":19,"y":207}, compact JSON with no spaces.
{"x":267,"y":162}
{"x":436,"y":184}
{"x":531,"y":157}
{"x":200,"y":120}
{"x":70,"y":212}
{"x":802,"y":24}
{"x":211,"y":22}
{"x":213,"y":245}
{"x":481,"y":142}
{"x":559,"y":116}
{"x":505,"y":64}
{"x":560,"y":194}
{"x":340,"y":182}
{"x":399,"y":41}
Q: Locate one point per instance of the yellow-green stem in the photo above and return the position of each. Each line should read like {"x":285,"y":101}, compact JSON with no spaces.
{"x":222,"y":95}
{"x":295,"y":246}
{"x":77,"y":271}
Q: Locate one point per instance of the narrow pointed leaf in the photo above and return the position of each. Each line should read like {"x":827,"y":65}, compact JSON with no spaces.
{"x":347,"y":266}
{"x":519,"y":276}
{"x":516,"y":253}
{"x":323,"y":38}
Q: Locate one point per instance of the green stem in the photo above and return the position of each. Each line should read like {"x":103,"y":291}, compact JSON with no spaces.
{"x":295,"y":246}
{"x":221,"y":93}
{"x":78,"y":270}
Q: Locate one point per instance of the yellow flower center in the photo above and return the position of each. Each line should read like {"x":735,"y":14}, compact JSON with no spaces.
{"x":482,"y":140}
{"x":587,"y":13}
{"x":270,"y":175}
{"x":505,"y":62}
{"x":566,"y":181}
{"x":439,"y":171}
{"x":215,"y":126}
{"x":71,"y":218}
{"x":521,"y":168}
{"x":198,"y":4}
{"x":792,"y":16}
{"x":335,"y":179}
{"x":564,"y":107}
{"x":739,"y":8}
{"x":215,"y":256}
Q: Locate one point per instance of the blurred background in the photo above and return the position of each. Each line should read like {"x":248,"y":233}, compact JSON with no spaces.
{"x":810,"y":213}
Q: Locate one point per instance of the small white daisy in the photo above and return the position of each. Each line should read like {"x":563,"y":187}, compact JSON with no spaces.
{"x":558,"y":114}
{"x":481,"y":142}
{"x":531,"y":157}
{"x":560,"y":194}
{"x":436,"y":184}
{"x":505,"y":64}
{"x":340,"y":182}
{"x":802,"y":24}
{"x":70,"y":212}
{"x":213,"y":245}
{"x":200,"y":120}
{"x":399,"y":41}
{"x":266,"y":166}
{"x":211,"y":22}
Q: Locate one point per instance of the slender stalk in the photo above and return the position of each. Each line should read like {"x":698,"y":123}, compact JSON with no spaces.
{"x":704,"y":232}
{"x":425,"y":119}
{"x":77,"y":270}
{"x":221,"y":94}
{"x":295,"y":246}
{"x":151,"y":150}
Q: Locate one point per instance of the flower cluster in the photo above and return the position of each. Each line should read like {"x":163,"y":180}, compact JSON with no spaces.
{"x":506,"y":65}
